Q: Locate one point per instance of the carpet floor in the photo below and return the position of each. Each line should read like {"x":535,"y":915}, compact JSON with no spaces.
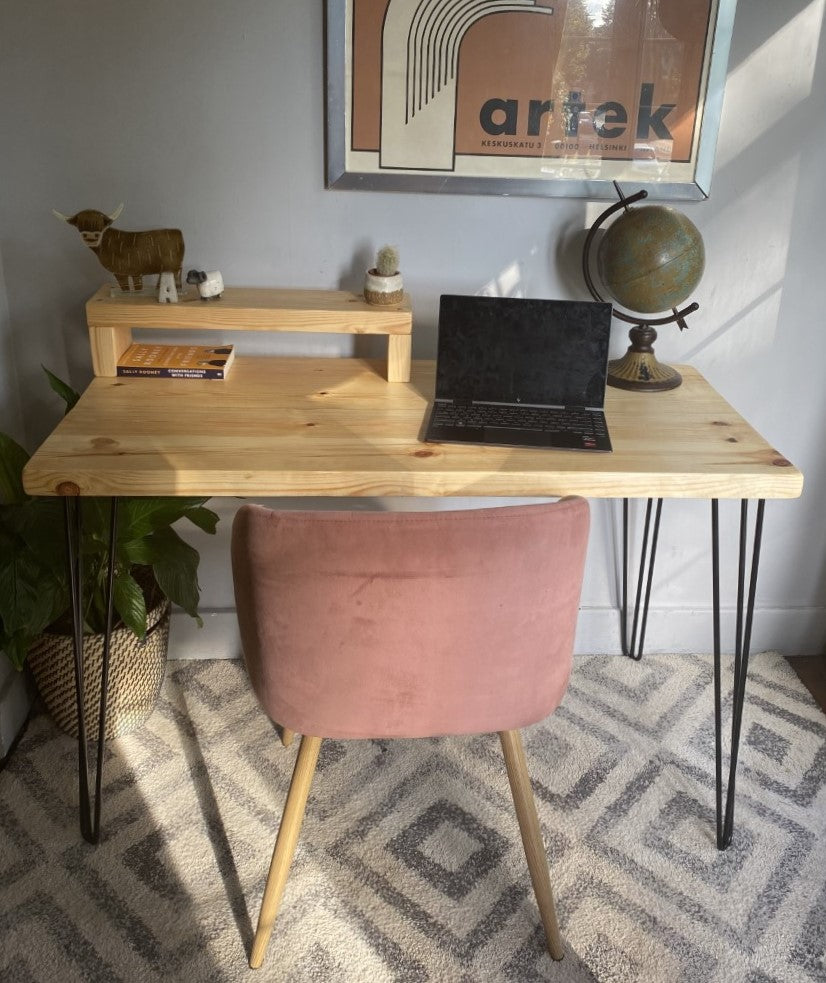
{"x":410,"y":866}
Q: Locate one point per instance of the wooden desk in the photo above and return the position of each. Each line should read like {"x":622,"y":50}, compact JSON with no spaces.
{"x":309,"y":426}
{"x":316,"y":427}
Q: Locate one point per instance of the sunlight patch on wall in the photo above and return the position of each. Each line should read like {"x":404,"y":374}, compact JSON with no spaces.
{"x":747,"y":247}
{"x":747,"y":240}
{"x":508,"y":283}
{"x":774,"y":80}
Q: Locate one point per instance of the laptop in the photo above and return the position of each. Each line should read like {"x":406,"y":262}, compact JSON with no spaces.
{"x":521,"y":373}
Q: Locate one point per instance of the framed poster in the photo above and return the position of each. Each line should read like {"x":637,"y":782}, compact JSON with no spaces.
{"x":536,"y":97}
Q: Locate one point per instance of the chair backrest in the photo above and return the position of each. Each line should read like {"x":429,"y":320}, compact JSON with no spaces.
{"x":388,"y":624}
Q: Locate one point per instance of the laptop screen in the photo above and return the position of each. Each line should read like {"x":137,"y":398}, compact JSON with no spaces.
{"x":514,"y":350}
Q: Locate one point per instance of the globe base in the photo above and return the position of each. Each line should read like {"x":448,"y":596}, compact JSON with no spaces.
{"x":639,"y":369}
{"x":642,"y":373}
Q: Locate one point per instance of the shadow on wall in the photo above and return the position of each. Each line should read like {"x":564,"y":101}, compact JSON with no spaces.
{"x":10,"y":410}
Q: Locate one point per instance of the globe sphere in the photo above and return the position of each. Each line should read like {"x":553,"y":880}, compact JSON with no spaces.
{"x":651,"y":258}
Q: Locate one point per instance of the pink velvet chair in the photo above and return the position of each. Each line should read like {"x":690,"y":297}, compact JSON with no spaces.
{"x":387,"y":624}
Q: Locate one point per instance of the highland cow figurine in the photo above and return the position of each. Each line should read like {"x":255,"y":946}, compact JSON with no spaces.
{"x":129,"y":256}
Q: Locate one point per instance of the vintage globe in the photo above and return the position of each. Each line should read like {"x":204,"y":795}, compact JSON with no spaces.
{"x":651,"y":259}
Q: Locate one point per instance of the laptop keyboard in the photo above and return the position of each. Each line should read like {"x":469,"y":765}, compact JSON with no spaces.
{"x":542,"y":418}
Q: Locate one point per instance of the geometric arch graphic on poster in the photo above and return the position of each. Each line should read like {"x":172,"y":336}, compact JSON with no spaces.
{"x":420,"y":49}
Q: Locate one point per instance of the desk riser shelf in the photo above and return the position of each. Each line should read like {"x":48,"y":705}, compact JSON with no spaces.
{"x":112,"y":317}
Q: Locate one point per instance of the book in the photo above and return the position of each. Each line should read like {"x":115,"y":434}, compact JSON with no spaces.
{"x":177,"y":361}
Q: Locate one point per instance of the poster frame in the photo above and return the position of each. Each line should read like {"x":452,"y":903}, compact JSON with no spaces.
{"x":561,"y":177}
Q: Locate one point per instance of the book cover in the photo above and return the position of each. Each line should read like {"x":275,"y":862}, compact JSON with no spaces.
{"x":177,"y":361}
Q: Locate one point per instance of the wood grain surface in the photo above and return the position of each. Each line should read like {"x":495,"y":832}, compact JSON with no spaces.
{"x":111,"y":319}
{"x":317,"y":427}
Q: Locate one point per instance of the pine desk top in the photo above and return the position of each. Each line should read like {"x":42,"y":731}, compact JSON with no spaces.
{"x":316,"y":427}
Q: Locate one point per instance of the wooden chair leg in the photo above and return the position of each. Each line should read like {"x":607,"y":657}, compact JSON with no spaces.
{"x":285,"y":842}
{"x":287,"y":735}
{"x":531,"y":837}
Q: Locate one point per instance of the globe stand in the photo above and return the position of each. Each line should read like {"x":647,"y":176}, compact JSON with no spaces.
{"x":638,"y":369}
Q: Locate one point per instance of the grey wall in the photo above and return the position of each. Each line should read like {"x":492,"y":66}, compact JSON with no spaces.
{"x":210,"y":117}
{"x":14,"y":701}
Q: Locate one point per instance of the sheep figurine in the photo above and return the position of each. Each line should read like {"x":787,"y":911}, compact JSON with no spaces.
{"x":210,"y":285}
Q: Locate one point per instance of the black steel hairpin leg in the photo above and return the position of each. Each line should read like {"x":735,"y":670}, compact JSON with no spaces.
{"x":742,"y":644}
{"x":647,"y":557}
{"x":89,"y":823}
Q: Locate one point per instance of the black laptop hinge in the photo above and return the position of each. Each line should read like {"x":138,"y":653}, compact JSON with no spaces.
{"x":462,"y":402}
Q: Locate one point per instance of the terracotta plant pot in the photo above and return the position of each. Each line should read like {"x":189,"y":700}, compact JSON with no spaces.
{"x":383,"y":290}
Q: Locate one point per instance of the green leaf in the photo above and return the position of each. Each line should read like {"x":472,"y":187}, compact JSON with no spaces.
{"x":65,"y":391}
{"x":142,"y":516}
{"x":30,"y":598}
{"x":138,"y":552}
{"x":129,"y":603}
{"x":39,"y":523}
{"x":203,"y":518}
{"x":16,"y":648}
{"x":96,"y":519}
{"x":13,"y":519}
{"x":13,"y":459}
{"x":176,"y":570}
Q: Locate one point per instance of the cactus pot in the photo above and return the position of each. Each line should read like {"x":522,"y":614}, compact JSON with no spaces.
{"x":383,"y":290}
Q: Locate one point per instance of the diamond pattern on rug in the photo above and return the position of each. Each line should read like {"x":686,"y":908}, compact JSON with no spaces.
{"x":768,"y":742}
{"x":410,"y":865}
{"x":449,"y":847}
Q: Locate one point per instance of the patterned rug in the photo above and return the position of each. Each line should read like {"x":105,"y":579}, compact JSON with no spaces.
{"x":410,"y":867}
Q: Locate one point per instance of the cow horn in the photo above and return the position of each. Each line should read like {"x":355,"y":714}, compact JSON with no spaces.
{"x":116,"y":212}
{"x":66,"y":218}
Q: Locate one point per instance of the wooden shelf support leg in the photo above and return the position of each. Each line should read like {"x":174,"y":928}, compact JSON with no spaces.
{"x":399,"y":351}
{"x":108,"y":344}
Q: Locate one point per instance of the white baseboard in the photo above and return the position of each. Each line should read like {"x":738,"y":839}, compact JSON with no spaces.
{"x":790,"y":631}
{"x":218,"y":639}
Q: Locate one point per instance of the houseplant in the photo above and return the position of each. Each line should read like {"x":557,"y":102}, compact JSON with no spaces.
{"x":153,"y":565}
{"x":383,"y":283}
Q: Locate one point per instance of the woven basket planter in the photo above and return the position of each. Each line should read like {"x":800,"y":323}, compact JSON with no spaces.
{"x":136,"y":671}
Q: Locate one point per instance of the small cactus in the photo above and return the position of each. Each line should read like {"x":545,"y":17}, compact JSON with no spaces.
{"x":387,"y":261}
{"x":383,"y":283}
